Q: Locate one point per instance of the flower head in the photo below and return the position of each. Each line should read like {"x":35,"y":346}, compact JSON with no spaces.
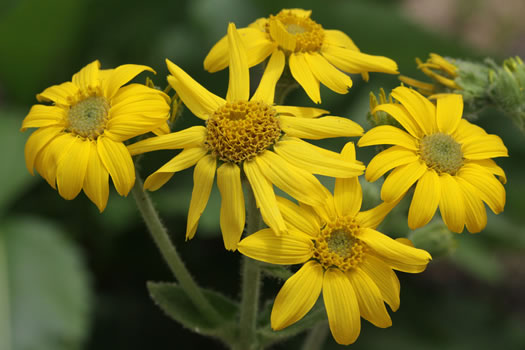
{"x":448,"y":157}
{"x":250,"y":136}
{"x":79,"y":141}
{"x":315,"y":55}
{"x":342,"y":255}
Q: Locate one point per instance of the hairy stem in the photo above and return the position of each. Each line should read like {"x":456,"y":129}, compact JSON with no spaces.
{"x":169,"y":253}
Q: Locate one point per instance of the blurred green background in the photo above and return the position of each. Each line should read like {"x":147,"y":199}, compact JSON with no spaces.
{"x":71,"y":278}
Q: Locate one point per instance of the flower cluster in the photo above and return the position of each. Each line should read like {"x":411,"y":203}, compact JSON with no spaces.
{"x":249,"y":141}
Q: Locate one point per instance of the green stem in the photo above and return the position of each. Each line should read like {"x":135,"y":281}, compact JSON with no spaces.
{"x":169,"y":253}
{"x":251,"y":279}
{"x":316,"y":337}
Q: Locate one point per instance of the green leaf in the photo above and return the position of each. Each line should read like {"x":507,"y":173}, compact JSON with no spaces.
{"x":14,"y":177}
{"x":174,"y":301}
{"x":44,"y":289}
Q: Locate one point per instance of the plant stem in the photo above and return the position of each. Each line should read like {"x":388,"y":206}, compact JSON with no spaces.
{"x":169,"y":253}
{"x":316,"y":337}
{"x":251,"y":279}
{"x":5,"y":312}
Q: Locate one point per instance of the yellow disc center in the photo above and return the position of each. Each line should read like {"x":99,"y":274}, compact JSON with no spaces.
{"x":338,"y":245}
{"x":441,"y":153}
{"x":239,"y":131}
{"x":88,"y":117}
{"x":300,"y":34}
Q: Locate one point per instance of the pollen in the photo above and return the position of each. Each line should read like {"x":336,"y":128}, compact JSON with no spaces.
{"x":88,"y":117}
{"x":338,"y":245}
{"x":307,"y":34}
{"x":238,"y":131}
{"x":441,"y":153}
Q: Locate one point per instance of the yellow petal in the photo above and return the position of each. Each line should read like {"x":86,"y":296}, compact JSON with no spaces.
{"x":466,"y":132}
{"x":239,"y":84}
{"x":425,"y":201}
{"x":338,"y":38}
{"x":297,"y":182}
{"x":274,"y":69}
{"x":492,"y":167}
{"x":185,"y":159}
{"x":199,"y":101}
{"x":297,"y":296}
{"x":327,"y":74}
{"x":87,"y":78}
{"x":348,"y":193}
{"x":298,"y":217}
{"x":401,"y":179}
{"x":48,"y":159}
{"x":385,"y":279}
{"x":388,"y":135}
{"x":62,"y":94}
{"x":475,"y":213}
{"x":489,"y":189}
{"x":297,"y":12}
{"x":258,"y":47}
{"x":156,"y":180}
{"x":488,"y":146}
{"x":420,"y":108}
{"x":188,"y":138}
{"x":388,"y":159}
{"x":280,"y":35}
{"x":304,"y":76}
{"x":118,"y":162}
{"x":265,"y":245}
{"x":302,"y":112}
{"x":400,"y":113}
{"x":451,"y":203}
{"x":398,"y":255}
{"x":232,"y":204}
{"x":320,"y":128}
{"x":162,"y":130}
{"x":373,"y":217}
{"x":37,"y":141}
{"x":352,"y":61}
{"x":316,"y":160}
{"x":264,"y":197}
{"x":369,"y":298}
{"x":120,"y":76}
{"x":203,"y":177}
{"x":96,"y":181}
{"x":72,"y":168}
{"x":42,"y":116}
{"x":341,"y":305}
{"x":448,"y":112}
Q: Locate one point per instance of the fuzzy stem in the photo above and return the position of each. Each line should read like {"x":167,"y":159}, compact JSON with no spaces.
{"x":251,"y":279}
{"x":169,"y":253}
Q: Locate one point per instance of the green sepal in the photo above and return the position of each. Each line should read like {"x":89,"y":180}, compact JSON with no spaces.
{"x":276,"y":271}
{"x":172,"y":299}
{"x":267,"y":336}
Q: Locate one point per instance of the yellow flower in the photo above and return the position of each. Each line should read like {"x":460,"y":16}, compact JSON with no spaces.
{"x":253,"y":135}
{"x":315,"y":55}
{"x":80,"y":138}
{"x":439,"y":69}
{"x":343,"y":256}
{"x":448,"y":158}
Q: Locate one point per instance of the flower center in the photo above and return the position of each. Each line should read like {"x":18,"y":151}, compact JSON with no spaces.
{"x":441,"y":153}
{"x":88,"y":117}
{"x":240,"y":130}
{"x":295,"y":34}
{"x":338,"y":246}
